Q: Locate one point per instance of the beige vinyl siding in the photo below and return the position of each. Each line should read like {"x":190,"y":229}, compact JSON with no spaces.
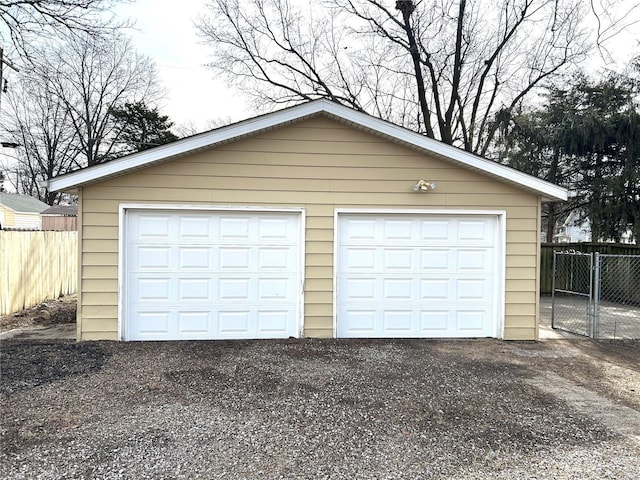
{"x":9,"y":217}
{"x":320,"y":165}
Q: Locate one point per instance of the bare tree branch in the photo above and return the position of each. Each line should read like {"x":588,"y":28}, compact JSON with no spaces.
{"x":442,"y":67}
{"x":25,"y":23}
{"x":60,"y":107}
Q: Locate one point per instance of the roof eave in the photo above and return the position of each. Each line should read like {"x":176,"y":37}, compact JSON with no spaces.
{"x":9,"y":208}
{"x":203,"y":141}
{"x":548,"y":191}
{"x":21,"y":212}
{"x":395,"y":133}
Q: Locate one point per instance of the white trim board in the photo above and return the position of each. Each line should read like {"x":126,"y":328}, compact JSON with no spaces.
{"x":253,"y":126}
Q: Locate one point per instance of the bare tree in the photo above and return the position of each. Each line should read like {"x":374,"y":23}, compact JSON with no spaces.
{"x":441,"y":67}
{"x":25,"y":25}
{"x":59,"y":112}
{"x":23,"y":22}
{"x":47,"y":141}
{"x":89,"y":77}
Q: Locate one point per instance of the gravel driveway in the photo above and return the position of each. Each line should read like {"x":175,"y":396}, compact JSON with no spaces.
{"x":315,"y":409}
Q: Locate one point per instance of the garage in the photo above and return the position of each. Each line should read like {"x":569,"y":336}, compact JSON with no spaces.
{"x":314,"y":221}
{"x":197,"y":274}
{"x":419,"y":275}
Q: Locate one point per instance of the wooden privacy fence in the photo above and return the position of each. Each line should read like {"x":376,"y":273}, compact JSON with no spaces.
{"x":36,"y":266}
{"x":547,"y":249}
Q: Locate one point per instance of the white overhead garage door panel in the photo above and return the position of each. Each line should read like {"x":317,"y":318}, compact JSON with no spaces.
{"x":407,"y":275}
{"x":211,"y":275}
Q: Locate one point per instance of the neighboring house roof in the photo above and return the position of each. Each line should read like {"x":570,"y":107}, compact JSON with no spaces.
{"x":22,"y":203}
{"x":573,"y":218}
{"x":574,"y":229}
{"x":270,"y":121}
{"x":62,"y":210}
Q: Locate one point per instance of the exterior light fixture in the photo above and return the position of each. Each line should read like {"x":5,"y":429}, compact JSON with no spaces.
{"x":423,"y":186}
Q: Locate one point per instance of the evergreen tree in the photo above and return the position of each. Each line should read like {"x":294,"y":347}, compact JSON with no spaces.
{"x":586,"y":138}
{"x":141,"y":127}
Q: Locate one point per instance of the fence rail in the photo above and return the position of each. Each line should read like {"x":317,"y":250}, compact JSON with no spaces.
{"x":36,"y":266}
{"x":546,"y":257}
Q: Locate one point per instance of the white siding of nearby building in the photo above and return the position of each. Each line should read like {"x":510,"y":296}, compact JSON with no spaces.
{"x":26,"y":221}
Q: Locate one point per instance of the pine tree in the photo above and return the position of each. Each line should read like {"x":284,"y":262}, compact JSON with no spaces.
{"x":586,"y":138}
{"x":141,"y":127}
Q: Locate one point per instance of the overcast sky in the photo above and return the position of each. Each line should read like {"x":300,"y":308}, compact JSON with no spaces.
{"x":165,"y":32}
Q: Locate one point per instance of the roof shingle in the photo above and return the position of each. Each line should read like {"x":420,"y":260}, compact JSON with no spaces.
{"x":22,"y":203}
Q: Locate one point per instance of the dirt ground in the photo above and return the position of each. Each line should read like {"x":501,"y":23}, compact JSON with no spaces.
{"x":458,"y":409}
{"x":52,"y":312}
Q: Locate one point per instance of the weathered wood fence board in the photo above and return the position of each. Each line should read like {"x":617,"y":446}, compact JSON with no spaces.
{"x":547,"y":249}
{"x":36,"y":266}
{"x":50,"y":222}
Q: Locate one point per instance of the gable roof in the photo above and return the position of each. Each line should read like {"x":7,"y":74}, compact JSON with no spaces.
{"x":22,"y":203}
{"x":61,"y":210}
{"x":270,"y":121}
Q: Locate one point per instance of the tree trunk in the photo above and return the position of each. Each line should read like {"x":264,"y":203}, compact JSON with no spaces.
{"x":551,"y":221}
{"x":407,"y":7}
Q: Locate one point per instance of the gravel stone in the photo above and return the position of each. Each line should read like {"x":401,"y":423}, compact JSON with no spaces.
{"x":335,"y":409}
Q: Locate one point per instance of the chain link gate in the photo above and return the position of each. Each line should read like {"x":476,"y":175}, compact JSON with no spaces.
{"x":596,"y":295}
{"x":572,"y":294}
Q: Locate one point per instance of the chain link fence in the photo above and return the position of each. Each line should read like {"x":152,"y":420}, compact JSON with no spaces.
{"x":617,"y":296}
{"x":596,"y":295}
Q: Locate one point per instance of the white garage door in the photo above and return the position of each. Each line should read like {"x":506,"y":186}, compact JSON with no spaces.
{"x":417,"y":276}
{"x":211,"y":275}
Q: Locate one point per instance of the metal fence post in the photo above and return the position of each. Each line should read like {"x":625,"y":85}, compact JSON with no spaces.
{"x":595,"y":332}
{"x":553,"y":292}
